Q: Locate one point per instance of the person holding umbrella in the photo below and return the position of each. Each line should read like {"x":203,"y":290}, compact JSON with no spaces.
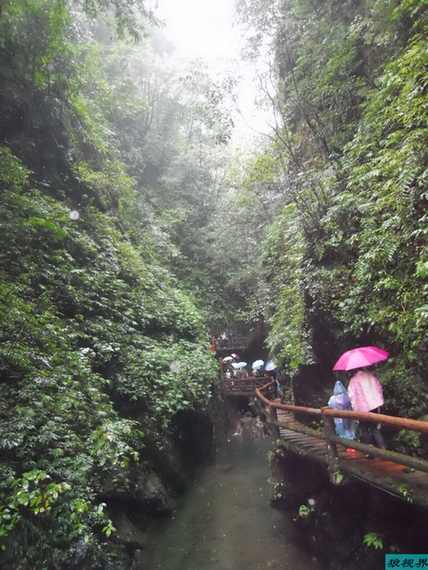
{"x":241,"y":371}
{"x":257,"y":368}
{"x":364,"y":390}
{"x":227,"y":367}
{"x":366,"y":395}
{"x":272,"y":371}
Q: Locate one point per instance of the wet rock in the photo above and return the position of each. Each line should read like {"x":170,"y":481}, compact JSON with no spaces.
{"x":309,"y":388}
{"x":151,"y":493}
{"x":223,"y":468}
{"x":139,"y":562}
{"x":251,"y":428}
{"x":127,"y":533}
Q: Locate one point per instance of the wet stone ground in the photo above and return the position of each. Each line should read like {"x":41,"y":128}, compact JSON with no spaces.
{"x":226,"y":522}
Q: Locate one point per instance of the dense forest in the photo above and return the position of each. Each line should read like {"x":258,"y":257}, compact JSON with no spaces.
{"x":132,"y":226}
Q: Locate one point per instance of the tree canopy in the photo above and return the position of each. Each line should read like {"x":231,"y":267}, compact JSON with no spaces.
{"x":132,"y":227}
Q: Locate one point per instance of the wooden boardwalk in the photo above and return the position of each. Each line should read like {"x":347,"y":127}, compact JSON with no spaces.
{"x":402,"y":475}
{"x":247,"y":387}
{"x":407,"y":483}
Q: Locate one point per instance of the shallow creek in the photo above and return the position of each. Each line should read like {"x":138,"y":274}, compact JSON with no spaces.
{"x":226,"y":522}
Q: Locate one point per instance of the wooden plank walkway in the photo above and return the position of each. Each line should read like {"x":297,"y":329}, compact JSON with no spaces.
{"x":234,"y":387}
{"x":409,"y":484}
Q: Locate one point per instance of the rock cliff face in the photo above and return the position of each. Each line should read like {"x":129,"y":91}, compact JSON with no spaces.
{"x":351,"y":526}
{"x":160,"y":479}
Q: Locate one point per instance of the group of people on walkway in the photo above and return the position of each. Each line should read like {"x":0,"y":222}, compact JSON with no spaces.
{"x":234,"y":369}
{"x":364,"y":394}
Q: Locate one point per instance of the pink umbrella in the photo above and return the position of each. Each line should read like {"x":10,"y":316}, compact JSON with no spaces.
{"x":359,"y":357}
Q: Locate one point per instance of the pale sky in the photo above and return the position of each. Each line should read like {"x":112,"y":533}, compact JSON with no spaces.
{"x":204,"y":29}
{"x":201,"y":28}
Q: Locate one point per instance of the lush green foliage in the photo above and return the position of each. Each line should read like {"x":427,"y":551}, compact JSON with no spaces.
{"x":102,"y":348}
{"x":373,"y":539}
{"x":85,"y":323}
{"x":346,"y":264}
{"x":283,"y":267}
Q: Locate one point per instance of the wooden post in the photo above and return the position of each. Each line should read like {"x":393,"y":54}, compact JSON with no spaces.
{"x":273,"y":420}
{"x":329,"y":431}
{"x":259,"y":405}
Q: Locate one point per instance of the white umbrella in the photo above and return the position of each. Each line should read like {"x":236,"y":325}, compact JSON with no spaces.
{"x":257,"y":364}
{"x":227,"y":358}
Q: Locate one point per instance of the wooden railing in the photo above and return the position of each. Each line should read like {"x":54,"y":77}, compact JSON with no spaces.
{"x":328,"y":433}
{"x":232,"y":343}
{"x":248,"y":385}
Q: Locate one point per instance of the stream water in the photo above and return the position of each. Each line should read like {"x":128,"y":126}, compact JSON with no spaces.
{"x":226,"y":522}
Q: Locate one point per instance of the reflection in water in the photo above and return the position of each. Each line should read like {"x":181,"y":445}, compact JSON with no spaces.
{"x":226,"y":521}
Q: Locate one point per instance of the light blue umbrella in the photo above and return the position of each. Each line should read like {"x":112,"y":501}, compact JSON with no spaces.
{"x":257,"y":364}
{"x":239,"y":364}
